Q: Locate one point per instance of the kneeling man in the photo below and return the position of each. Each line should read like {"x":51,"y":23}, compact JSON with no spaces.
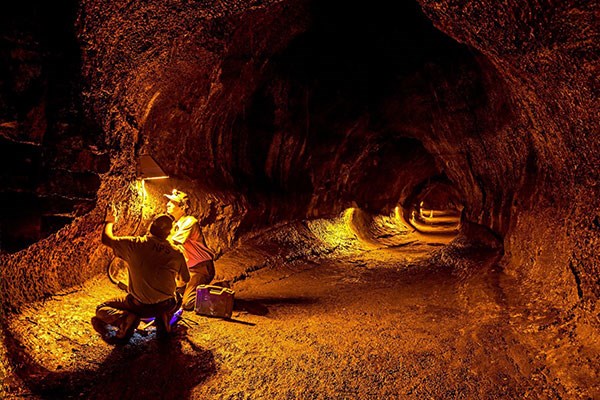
{"x":153,"y":264}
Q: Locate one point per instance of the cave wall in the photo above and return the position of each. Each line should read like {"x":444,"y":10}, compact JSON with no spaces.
{"x":222,"y":96}
{"x":52,"y":154}
{"x":545,"y":54}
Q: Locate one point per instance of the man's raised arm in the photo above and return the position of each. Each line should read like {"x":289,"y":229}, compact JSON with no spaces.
{"x":109,"y":220}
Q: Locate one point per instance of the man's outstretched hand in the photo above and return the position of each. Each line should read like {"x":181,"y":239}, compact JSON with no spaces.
{"x":111,"y":214}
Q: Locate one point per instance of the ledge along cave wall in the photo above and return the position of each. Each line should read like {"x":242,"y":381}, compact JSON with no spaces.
{"x":288,"y":110}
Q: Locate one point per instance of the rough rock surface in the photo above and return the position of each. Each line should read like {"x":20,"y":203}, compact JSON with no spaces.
{"x":545,"y":55}
{"x":274,"y":111}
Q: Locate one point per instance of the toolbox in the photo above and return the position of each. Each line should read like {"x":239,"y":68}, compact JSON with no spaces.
{"x":214,"y":301}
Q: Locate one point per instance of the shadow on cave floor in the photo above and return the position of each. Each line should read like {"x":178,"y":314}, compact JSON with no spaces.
{"x":166,"y":369}
{"x":396,"y":322}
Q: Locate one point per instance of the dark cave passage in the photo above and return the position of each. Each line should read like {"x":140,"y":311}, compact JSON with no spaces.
{"x":419,"y":178}
{"x":52,"y":155}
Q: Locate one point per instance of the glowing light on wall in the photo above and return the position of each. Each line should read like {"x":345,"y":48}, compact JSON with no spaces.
{"x":398,"y":214}
{"x":148,"y":169}
{"x":139,"y":187}
{"x":335,"y":233}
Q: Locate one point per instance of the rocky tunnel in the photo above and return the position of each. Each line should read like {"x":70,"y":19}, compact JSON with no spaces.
{"x":303,"y":128}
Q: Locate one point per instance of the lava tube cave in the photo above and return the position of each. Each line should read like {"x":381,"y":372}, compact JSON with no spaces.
{"x":400,"y":200}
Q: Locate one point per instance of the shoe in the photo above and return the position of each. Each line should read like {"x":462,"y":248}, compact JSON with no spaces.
{"x":99,"y":326}
{"x":127,"y":327}
{"x":102,"y":328}
{"x":163,"y":328}
{"x":190,"y":305}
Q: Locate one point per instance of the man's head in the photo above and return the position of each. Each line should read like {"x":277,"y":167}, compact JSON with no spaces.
{"x":161,"y":226}
{"x":178,"y":201}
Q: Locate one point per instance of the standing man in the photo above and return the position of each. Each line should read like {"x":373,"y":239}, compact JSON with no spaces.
{"x":153,"y":264}
{"x":188,"y":235}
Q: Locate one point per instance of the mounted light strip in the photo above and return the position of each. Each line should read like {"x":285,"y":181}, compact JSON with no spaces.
{"x":148,"y":169}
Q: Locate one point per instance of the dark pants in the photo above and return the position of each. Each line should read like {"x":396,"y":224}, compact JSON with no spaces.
{"x":125,"y":313}
{"x":200,"y":274}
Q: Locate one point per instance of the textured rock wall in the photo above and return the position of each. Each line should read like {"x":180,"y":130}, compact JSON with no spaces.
{"x":216,"y":96}
{"x":545,"y":163}
{"x":286,"y":109}
{"x":51,"y":154}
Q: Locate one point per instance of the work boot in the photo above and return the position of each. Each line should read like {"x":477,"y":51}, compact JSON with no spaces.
{"x":100,"y":327}
{"x":163,"y":329}
{"x":190,"y":305}
{"x":126,"y":326}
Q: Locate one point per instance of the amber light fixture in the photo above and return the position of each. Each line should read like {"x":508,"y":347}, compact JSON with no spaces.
{"x":148,"y":169}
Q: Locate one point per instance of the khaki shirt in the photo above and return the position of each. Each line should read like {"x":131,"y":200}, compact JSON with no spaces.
{"x":153,"y":265}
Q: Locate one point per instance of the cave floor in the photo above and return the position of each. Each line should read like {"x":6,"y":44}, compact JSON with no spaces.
{"x":387,"y":323}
